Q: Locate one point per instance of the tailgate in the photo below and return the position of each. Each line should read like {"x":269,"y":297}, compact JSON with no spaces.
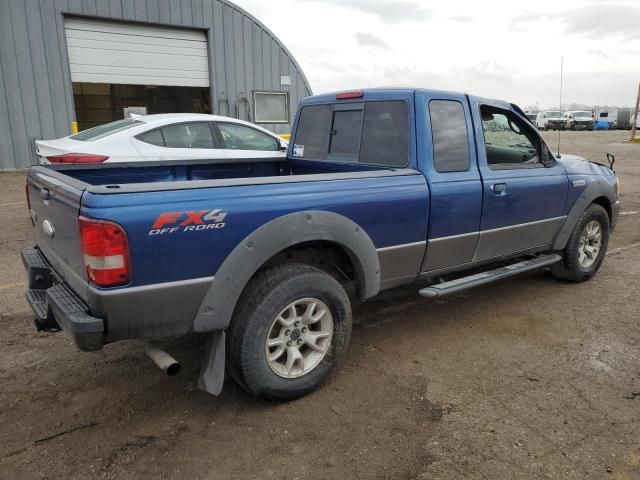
{"x":55,"y":205}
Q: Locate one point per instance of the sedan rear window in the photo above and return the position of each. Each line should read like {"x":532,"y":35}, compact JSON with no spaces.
{"x":105,"y":130}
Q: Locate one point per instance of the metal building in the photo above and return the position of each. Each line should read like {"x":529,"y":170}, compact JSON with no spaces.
{"x":92,"y":61}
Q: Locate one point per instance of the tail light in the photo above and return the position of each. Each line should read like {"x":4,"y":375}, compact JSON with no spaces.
{"x":105,"y":250}
{"x":349,"y":95}
{"x":77,"y":158}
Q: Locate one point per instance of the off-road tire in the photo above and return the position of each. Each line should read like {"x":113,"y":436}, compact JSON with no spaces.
{"x":569,"y":267}
{"x":261,"y":302}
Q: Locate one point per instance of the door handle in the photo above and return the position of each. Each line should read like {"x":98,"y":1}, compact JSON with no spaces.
{"x":44,"y":194}
{"x":499,"y":188}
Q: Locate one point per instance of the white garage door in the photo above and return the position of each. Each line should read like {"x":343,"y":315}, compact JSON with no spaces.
{"x":109,"y":52}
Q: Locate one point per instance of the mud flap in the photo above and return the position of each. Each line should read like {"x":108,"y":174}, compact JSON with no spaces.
{"x":212,"y":370}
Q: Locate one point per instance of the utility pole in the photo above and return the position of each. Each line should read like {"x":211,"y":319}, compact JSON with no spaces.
{"x":635,"y":116}
{"x":560,"y":106}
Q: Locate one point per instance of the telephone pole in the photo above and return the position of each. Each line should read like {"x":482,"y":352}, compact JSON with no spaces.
{"x":635,"y":117}
{"x":560,"y":106}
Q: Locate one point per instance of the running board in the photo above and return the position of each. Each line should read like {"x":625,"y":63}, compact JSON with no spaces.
{"x":459,"y":284}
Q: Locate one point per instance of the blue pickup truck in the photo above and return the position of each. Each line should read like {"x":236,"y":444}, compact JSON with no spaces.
{"x":380,"y":188}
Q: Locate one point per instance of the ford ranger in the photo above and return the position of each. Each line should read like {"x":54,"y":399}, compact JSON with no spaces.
{"x":379,"y":188}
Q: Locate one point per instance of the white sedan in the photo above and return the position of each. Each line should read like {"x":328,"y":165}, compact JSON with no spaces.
{"x":169,"y":136}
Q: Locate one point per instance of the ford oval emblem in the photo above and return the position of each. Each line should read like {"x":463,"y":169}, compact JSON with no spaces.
{"x":47,"y":226}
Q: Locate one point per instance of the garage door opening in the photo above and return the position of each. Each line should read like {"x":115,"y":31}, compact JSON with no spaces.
{"x":100,"y":103}
{"x":118,"y":68}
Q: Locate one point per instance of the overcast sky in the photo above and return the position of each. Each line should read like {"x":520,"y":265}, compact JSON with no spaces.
{"x":503,"y":49}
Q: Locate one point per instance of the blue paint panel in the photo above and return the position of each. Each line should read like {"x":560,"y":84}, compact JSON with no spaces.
{"x":532,"y":194}
{"x":386,"y":208}
{"x":456,"y":197}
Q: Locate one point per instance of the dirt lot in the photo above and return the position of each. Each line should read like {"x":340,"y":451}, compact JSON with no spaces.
{"x":531,"y":378}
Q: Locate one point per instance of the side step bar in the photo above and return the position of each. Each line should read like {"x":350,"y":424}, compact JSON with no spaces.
{"x":459,"y":284}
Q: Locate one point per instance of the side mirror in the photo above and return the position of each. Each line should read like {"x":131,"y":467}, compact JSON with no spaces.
{"x":283,"y":146}
{"x":546,"y":157}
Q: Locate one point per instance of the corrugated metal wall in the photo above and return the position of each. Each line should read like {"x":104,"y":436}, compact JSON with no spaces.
{"x":36,"y":97}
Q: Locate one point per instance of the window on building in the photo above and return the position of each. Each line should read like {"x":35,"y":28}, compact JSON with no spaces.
{"x":271,"y":107}
{"x":449,"y":134}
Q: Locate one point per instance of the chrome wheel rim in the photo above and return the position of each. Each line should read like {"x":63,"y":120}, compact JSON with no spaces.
{"x":590,"y":244}
{"x":299,"y":338}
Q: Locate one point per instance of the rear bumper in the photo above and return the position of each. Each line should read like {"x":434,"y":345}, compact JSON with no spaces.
{"x":583,"y":126}
{"x":103,"y":316}
{"x":56,"y":305}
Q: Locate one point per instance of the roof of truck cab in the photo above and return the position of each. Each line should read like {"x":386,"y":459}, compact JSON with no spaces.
{"x":395,"y":92}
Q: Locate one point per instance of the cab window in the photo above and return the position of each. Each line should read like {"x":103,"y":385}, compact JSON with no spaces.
{"x":509,"y":142}
{"x":449,"y":136}
{"x":373,"y":132}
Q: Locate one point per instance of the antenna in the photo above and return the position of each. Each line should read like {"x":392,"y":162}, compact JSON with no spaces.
{"x":560,"y":130}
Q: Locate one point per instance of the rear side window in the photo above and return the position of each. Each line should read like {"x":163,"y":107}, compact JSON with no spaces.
{"x":449,"y":134}
{"x":188,"y":135}
{"x":153,"y":137}
{"x":105,"y":130}
{"x":377,"y":134}
{"x":240,"y":137}
{"x":312,"y":134}
{"x":385,"y":134}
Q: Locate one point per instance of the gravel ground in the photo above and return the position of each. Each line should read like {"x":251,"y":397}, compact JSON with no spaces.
{"x":531,"y":378}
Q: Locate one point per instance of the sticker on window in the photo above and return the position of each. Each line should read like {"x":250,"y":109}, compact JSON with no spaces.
{"x":298,"y":150}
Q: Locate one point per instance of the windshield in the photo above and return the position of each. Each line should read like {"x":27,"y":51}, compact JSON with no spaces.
{"x":102,"y":131}
{"x":582,"y":114}
{"x":554,"y":114}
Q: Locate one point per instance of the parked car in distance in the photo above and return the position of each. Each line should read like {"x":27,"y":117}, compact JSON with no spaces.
{"x":551,"y":120}
{"x":167,"y":136}
{"x":379,"y":188}
{"x":532,"y":116}
{"x":579,"y":120}
{"x":616,"y":118}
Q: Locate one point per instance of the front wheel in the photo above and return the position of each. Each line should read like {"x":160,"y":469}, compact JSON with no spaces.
{"x":291,"y":328}
{"x":585,"y":250}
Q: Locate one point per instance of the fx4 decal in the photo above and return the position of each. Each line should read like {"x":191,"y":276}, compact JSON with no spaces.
{"x":191,"y":221}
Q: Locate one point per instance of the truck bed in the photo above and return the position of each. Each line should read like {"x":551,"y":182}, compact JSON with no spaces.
{"x":116,"y":175}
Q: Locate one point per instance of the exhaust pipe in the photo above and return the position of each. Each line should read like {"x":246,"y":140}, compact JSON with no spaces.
{"x":162,"y":359}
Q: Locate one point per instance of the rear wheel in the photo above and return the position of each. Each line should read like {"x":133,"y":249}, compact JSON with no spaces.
{"x":585,"y":250}
{"x":291,"y":329}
